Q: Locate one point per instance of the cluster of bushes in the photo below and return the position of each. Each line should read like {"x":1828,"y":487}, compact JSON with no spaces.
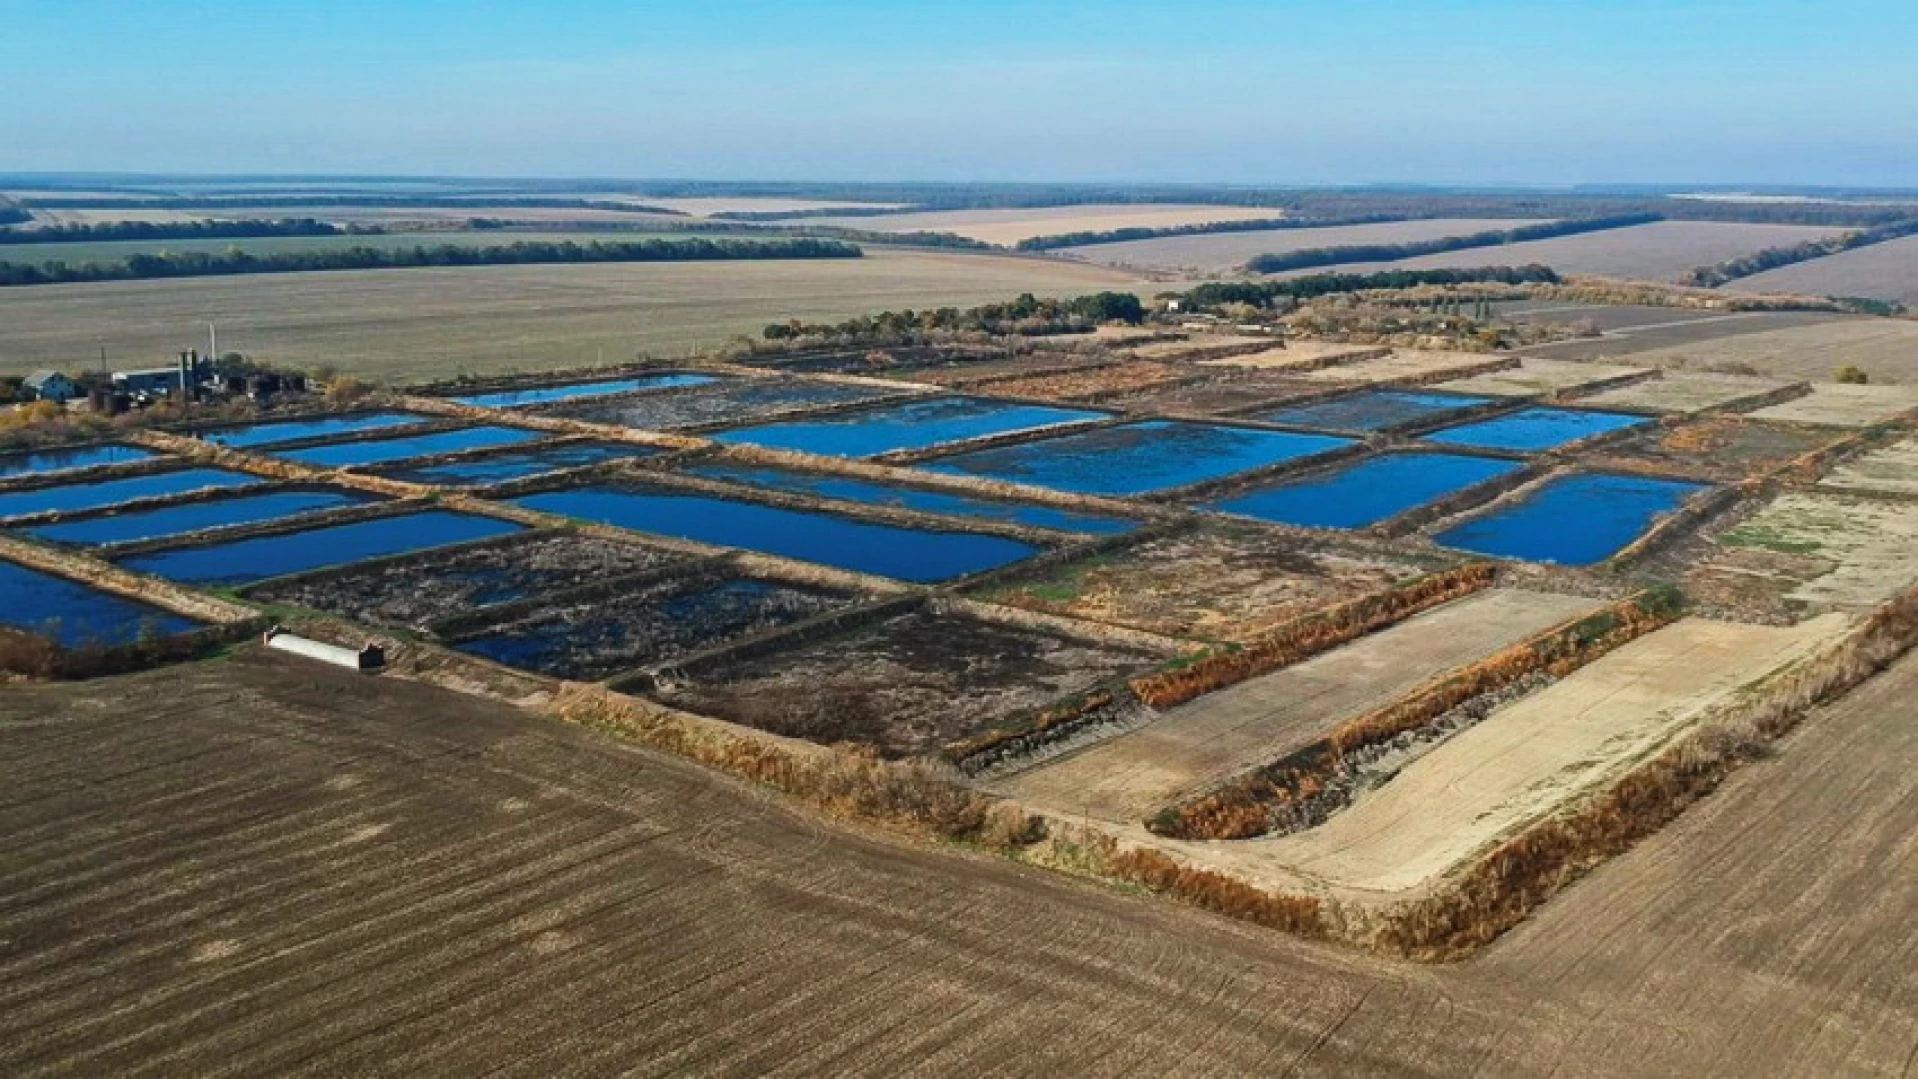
{"x":39,"y":655}
{"x":1332,"y":256}
{"x":1216,"y":294}
{"x":204,"y":264}
{"x":182,"y":230}
{"x":1282,"y":793}
{"x":1772,"y":258}
{"x":1026,"y":315}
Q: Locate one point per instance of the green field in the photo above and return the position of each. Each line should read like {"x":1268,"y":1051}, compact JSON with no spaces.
{"x":86,"y":251}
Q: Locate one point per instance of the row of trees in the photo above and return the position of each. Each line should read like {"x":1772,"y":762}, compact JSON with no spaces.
{"x":182,"y":230}
{"x":1216,"y":294}
{"x":435,"y":202}
{"x":1258,"y":224}
{"x":1027,"y":315}
{"x":1333,"y":256}
{"x":1773,"y":257}
{"x":11,"y":214}
{"x":203,"y":264}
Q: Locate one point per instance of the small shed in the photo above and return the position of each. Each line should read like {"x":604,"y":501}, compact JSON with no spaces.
{"x":51,"y":386}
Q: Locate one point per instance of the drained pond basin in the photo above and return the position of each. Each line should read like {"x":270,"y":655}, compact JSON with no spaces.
{"x":908,"y":554}
{"x":734,"y":400}
{"x":1138,"y":458}
{"x":1534,"y":430}
{"x":267,"y":434}
{"x":1366,"y":492}
{"x":882,"y":494}
{"x":27,"y":464}
{"x":912,"y":425}
{"x":382,"y":450}
{"x":517,"y":465}
{"x":1372,"y":410}
{"x":74,"y":614}
{"x":1572,"y":520}
{"x":539,"y":395}
{"x":75,"y":497}
{"x":241,"y":561}
{"x":187,"y":517}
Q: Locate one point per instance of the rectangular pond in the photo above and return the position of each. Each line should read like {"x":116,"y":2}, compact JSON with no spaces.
{"x":1138,"y":458}
{"x":519,"y":464}
{"x":883,"y":494}
{"x":1371,"y":410}
{"x":63,"y":460}
{"x":256,"y":559}
{"x":267,"y":434}
{"x":734,"y":400}
{"x":1534,"y":430}
{"x":194,"y":516}
{"x":1572,"y":520}
{"x":379,"y":451}
{"x":908,"y":554}
{"x":539,"y":395}
{"x":910,"y":425}
{"x":74,"y":614}
{"x":74,"y":497}
{"x":1364,"y":493}
{"x":593,"y":639}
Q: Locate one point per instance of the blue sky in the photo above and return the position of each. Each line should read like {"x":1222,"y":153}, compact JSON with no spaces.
{"x":1498,"y":91}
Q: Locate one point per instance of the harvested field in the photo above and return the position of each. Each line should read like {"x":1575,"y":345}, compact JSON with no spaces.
{"x":1253,"y":581}
{"x":1607,"y":318}
{"x":1835,"y":404}
{"x":587,"y":638}
{"x":1527,"y":759}
{"x":1796,"y":345}
{"x":1889,"y":469}
{"x":1825,"y":550}
{"x":1536,"y":376}
{"x":419,"y":325}
{"x":1224,"y":252}
{"x":1660,"y":251}
{"x":1886,"y":271}
{"x":83,"y":252}
{"x":1097,"y":382}
{"x":1130,"y":777}
{"x":409,"y":593}
{"x":906,"y":685}
{"x":1303,"y":355}
{"x":706,"y":207}
{"x":1405,"y":365}
{"x":1721,"y":447}
{"x":1685,"y":391}
{"x":1197,"y":344}
{"x":732,"y":401}
{"x":1008,"y":227}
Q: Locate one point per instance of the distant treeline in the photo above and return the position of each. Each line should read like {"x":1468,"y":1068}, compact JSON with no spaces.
{"x":1772,"y":258}
{"x":1214,"y":294}
{"x":1026,"y":315}
{"x":1333,"y":256}
{"x":181,"y":230}
{"x":1258,"y":224}
{"x":205,"y":264}
{"x":424,"y":202}
{"x":13,"y":215}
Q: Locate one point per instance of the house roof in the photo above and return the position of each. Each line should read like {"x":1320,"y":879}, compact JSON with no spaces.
{"x":41,"y":378}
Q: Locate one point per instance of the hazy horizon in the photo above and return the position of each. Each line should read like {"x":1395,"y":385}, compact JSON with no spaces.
{"x":1767,"y":93}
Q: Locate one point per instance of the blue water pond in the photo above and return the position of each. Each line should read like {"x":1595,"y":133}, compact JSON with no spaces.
{"x":74,"y":614}
{"x":26,"y":464}
{"x":74,"y":497}
{"x":1572,"y":520}
{"x":539,"y":395}
{"x":913,"y":425}
{"x":256,"y":559}
{"x":1534,"y":430}
{"x":909,"y":554}
{"x":502,"y":467}
{"x":265,"y":434}
{"x":1366,"y":492}
{"x":382,"y":450}
{"x":1371,"y":410}
{"x":883,"y":494}
{"x":1137,"y":458}
{"x":194,"y":516}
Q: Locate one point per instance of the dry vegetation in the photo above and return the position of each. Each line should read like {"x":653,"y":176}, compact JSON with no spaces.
{"x":1007,"y":227}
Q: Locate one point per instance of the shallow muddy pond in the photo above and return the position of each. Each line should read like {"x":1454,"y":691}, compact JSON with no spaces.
{"x":908,"y":554}
{"x":1534,"y":430}
{"x":240,"y":561}
{"x":882,"y":494}
{"x":1366,"y":492}
{"x":1371,"y":410}
{"x":539,"y":395}
{"x":1137,"y":458}
{"x":74,"y":614}
{"x":1572,"y":520}
{"x":74,"y":497}
{"x":382,"y":450}
{"x":27,"y":464}
{"x":505,"y":467}
{"x":194,"y":516}
{"x":735,"y":400}
{"x":266,"y":434}
{"x":913,"y":425}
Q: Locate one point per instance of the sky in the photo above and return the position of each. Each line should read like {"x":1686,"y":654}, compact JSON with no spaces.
{"x":1761,"y":92}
